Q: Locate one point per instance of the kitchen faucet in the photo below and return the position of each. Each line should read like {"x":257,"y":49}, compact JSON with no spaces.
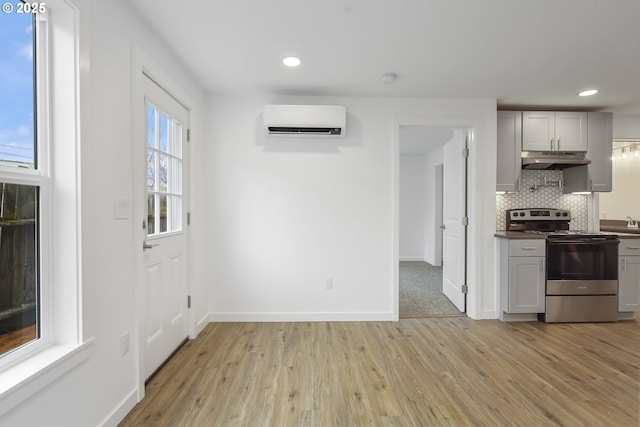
{"x":631,"y":223}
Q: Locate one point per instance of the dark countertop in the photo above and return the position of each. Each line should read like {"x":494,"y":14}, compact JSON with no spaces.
{"x":617,"y":226}
{"x":622,"y":235}
{"x":514,"y":235}
{"x":518,"y":235}
{"x":620,"y":230}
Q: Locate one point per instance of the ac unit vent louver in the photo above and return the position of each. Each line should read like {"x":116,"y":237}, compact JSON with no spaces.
{"x":305,"y":120}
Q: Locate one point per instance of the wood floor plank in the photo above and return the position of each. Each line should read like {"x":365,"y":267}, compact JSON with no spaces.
{"x":416,"y":372}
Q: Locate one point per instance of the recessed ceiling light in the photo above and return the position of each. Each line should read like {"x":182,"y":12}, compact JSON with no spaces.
{"x":588,"y":92}
{"x":291,"y":61}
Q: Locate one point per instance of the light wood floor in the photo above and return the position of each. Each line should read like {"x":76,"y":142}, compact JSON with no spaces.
{"x":416,"y":372}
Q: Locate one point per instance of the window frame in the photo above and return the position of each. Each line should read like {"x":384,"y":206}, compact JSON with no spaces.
{"x":63,"y":47}
{"x":38,"y":177}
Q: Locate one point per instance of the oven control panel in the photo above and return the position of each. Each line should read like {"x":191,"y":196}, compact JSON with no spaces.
{"x":538,"y":215}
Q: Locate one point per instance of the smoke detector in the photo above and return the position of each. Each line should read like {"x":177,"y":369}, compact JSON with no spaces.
{"x":388,"y":78}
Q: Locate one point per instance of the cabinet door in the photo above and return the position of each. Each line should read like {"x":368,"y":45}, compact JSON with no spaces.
{"x":537,"y":130}
{"x":595,"y":176}
{"x":600,"y":145}
{"x":509,"y":148}
{"x":629,"y":284}
{"x":570,"y":131}
{"x":526,"y":284}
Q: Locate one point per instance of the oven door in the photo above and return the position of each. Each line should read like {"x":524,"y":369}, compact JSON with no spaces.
{"x":582,"y":266}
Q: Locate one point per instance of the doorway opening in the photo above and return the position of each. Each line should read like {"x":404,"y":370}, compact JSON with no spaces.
{"x":432,"y":234}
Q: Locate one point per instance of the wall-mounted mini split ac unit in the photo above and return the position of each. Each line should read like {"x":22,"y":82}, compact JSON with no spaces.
{"x":305,"y":120}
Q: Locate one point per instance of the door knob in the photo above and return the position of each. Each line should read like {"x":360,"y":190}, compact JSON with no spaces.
{"x":146,"y":246}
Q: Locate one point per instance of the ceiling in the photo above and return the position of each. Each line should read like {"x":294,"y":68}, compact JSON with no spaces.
{"x":523,"y":53}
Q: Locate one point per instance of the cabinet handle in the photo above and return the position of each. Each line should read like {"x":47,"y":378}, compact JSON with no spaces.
{"x":529,"y":248}
{"x":541,"y":265}
{"x":551,"y":144}
{"x":623,"y":264}
{"x":633,"y":247}
{"x":558,"y":145}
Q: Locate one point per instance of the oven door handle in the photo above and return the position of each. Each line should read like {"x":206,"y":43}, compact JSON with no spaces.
{"x":592,"y":241}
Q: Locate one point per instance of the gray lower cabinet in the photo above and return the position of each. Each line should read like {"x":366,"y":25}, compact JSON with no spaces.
{"x":629,"y":275}
{"x":522,"y":275}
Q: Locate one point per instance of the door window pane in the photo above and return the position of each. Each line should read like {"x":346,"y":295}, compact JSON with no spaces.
{"x":175,"y":186}
{"x":176,"y":140}
{"x":175,"y":208}
{"x":151,"y":126}
{"x":163,"y":132}
{"x":151,"y":170}
{"x":151,"y":214}
{"x":162,"y":172}
{"x":163,"y":213}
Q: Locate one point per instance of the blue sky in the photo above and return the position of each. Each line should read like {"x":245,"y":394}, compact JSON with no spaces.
{"x":16,"y":87}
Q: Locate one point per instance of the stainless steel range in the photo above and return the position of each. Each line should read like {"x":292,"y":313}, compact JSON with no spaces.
{"x":582,"y":267}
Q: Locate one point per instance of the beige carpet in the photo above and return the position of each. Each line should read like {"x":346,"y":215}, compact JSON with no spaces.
{"x":421,"y":291}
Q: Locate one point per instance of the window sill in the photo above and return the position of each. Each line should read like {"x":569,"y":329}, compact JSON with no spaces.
{"x":23,"y":380}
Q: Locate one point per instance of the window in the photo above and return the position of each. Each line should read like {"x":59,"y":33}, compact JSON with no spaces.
{"x":164,"y":172}
{"x":22,"y":185}
{"x":48,"y":187}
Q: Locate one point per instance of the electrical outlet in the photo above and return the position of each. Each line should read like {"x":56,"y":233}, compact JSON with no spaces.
{"x":328,"y":284}
{"x":124,"y":344}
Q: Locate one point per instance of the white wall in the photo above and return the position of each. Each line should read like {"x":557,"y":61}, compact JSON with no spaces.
{"x":413,"y":205}
{"x":103,"y":388}
{"x":286,"y":214}
{"x":623,"y":201}
{"x":626,"y":126}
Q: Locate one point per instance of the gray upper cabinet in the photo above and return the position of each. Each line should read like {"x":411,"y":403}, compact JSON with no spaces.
{"x":597,"y":175}
{"x":509,"y":143}
{"x":554,"y":131}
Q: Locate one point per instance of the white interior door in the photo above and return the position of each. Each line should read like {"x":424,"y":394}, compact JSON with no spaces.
{"x":165,"y":311}
{"x":454,"y":211}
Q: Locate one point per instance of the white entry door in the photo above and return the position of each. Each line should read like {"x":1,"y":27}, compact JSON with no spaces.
{"x":165,"y":311}
{"x":454,"y":211}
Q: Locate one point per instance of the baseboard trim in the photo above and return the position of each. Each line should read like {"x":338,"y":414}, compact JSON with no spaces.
{"x":517,"y":317}
{"x":300,"y":317}
{"x":121,"y":411}
{"x":489,"y":314}
{"x":201,"y":324}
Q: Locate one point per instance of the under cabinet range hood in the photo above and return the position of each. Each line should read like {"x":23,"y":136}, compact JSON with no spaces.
{"x":539,"y":160}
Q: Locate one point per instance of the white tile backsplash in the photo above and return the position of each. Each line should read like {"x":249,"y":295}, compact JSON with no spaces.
{"x":543,"y":197}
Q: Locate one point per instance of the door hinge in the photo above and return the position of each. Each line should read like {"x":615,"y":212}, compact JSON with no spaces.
{"x":189,"y":301}
{"x":188,"y":218}
{"x":465,"y":220}
{"x":464,"y":289}
{"x":465,"y":152}
{"x":188,"y":135}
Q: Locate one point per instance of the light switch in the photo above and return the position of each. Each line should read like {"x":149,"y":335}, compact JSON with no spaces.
{"x":121,"y":209}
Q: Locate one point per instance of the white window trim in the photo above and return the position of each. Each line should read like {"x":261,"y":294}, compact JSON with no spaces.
{"x":64,"y":346}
